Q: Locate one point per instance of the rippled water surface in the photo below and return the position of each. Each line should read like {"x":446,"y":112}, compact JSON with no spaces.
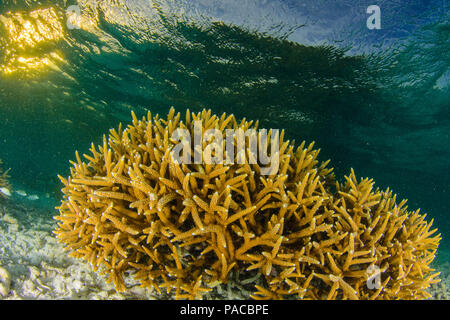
{"x":374,"y":100}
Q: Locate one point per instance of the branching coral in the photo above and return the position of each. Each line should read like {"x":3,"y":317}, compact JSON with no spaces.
{"x":375,"y":249}
{"x":4,"y":184}
{"x":184,"y":226}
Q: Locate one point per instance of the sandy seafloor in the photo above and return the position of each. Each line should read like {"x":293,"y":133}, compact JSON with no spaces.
{"x":38,"y":267}
{"x":33,"y":265}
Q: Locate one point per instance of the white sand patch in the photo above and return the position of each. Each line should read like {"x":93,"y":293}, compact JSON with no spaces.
{"x":34,"y":266}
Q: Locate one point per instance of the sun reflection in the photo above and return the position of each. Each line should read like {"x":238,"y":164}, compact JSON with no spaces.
{"x":26,"y":41}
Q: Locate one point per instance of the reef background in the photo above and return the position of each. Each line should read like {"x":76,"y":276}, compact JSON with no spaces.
{"x":374,"y":100}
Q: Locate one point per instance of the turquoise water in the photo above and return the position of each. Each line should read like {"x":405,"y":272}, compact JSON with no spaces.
{"x":374,"y":100}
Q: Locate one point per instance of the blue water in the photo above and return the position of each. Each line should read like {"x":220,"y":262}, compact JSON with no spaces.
{"x":374,"y":100}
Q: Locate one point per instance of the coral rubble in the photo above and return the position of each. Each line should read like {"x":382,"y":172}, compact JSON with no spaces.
{"x":185,"y":227}
{"x":5,"y":282}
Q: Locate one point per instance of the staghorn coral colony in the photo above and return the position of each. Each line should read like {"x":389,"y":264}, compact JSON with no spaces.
{"x":184,"y":228}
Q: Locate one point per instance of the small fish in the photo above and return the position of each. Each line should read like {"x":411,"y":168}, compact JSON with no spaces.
{"x":5,"y":191}
{"x":21,"y":193}
{"x":33,"y":197}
